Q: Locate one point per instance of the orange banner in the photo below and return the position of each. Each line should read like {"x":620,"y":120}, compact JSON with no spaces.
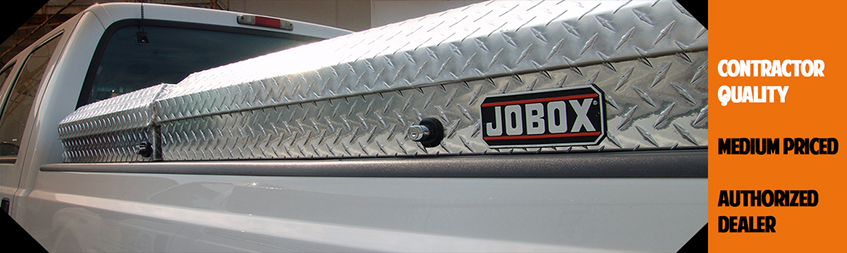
{"x":777,"y":83}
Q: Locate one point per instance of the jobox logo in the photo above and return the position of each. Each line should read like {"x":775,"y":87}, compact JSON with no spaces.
{"x":557,"y":117}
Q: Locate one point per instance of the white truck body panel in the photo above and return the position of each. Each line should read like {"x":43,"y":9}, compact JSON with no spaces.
{"x":372,"y":214}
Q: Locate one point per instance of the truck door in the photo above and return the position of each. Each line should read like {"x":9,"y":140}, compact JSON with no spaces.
{"x":15,"y":116}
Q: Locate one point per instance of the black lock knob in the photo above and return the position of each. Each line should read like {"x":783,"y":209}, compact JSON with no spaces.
{"x":144,"y":149}
{"x":429,"y":132}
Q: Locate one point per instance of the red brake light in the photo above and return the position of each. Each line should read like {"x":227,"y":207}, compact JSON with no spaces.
{"x":265,"y":22}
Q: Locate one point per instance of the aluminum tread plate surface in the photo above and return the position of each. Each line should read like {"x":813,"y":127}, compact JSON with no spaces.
{"x":652,"y":103}
{"x":355,"y":95}
{"x":478,"y":41}
{"x":109,"y":130}
{"x":358,"y":100}
{"x":117,"y":146}
{"x":127,"y":111}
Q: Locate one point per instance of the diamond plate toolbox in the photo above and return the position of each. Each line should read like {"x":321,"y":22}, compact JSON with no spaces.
{"x":111,"y":130}
{"x":367,"y":94}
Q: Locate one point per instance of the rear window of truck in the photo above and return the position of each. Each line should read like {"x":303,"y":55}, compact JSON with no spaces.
{"x":172,"y":51}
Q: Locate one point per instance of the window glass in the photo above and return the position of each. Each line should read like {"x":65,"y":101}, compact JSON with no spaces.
{"x":19,"y":102}
{"x":170,"y":55}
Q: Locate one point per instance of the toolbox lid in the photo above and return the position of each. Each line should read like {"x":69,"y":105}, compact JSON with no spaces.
{"x":123,"y":112}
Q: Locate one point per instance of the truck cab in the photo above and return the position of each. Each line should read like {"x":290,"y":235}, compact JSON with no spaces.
{"x":112,"y":49}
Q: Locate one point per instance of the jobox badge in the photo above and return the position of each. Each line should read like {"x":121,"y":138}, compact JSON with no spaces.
{"x":557,"y":117}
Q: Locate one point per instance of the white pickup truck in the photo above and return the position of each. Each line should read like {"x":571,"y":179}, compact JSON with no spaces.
{"x":333,"y":157}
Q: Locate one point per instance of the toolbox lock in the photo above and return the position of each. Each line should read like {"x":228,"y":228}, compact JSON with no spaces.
{"x":429,"y":132}
{"x":144,"y":149}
